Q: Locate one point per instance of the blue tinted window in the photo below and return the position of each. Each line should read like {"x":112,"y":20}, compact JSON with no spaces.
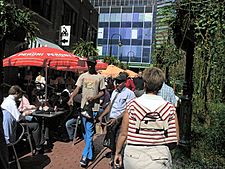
{"x":114,"y":31}
{"x":125,"y":41}
{"x":137,"y":24}
{"x":114,"y":24}
{"x":125,"y":33}
{"x":103,"y":24}
{"x":105,"y":33}
{"x":135,"y":17}
{"x":115,"y":17}
{"x":147,"y":33}
{"x":102,"y":41}
{"x":137,"y":50}
{"x":136,"y":42}
{"x":147,"y":42}
{"x":147,"y":24}
{"x":146,"y":55}
{"x":114,"y":50}
{"x":135,"y":59}
{"x":104,"y":50}
{"x":140,"y":30}
{"x":126,"y":17}
{"x":104,"y":10}
{"x":104,"y":17}
{"x":126,"y":24}
{"x":138,"y":17}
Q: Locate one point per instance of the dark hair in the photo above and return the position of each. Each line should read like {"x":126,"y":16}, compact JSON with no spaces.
{"x":153,"y":78}
{"x":15,"y":90}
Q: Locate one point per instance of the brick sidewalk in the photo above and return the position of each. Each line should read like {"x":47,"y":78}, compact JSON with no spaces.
{"x":67,"y":156}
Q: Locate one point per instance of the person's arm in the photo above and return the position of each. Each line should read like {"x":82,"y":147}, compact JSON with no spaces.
{"x":121,"y":139}
{"x":105,"y":112}
{"x":100,"y":94}
{"x":75,"y":92}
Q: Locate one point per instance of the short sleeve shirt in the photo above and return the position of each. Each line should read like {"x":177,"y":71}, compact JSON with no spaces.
{"x":121,"y":101}
{"x":91,"y":85}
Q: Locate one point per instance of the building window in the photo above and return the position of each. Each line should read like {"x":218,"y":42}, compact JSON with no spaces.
{"x":70,"y":18}
{"x":84,"y":29}
{"x":41,"y":7}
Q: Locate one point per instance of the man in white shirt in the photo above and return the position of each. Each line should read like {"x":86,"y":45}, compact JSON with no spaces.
{"x":11,"y":116}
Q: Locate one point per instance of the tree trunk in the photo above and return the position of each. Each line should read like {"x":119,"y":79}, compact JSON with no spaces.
{"x":2,"y":52}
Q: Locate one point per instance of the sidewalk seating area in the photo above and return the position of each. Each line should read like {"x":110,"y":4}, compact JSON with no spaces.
{"x":65,"y":155}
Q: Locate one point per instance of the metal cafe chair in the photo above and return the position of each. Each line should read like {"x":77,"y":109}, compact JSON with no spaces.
{"x":28,"y":136}
{"x":78,"y":122}
{"x":15,"y":142}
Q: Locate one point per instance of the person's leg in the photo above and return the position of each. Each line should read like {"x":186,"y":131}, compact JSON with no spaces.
{"x":70,"y":128}
{"x":88,"y":137}
{"x":36,"y":133}
{"x":115,"y":131}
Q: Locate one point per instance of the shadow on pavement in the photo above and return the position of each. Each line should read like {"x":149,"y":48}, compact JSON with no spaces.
{"x":100,"y":151}
{"x":33,"y":162}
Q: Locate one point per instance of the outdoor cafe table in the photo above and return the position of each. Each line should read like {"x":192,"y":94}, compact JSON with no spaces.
{"x":46,"y":115}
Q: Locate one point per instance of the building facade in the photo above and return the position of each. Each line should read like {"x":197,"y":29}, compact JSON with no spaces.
{"x":51,"y":14}
{"x":126,"y":30}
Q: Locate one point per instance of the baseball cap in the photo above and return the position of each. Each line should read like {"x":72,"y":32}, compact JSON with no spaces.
{"x":121,"y":77}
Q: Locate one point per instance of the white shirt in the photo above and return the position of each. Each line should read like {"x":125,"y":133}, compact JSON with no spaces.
{"x":40,"y":79}
{"x":9,"y":104}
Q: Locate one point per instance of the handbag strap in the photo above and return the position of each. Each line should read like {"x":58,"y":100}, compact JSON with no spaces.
{"x":112,"y":103}
{"x":114,"y":99}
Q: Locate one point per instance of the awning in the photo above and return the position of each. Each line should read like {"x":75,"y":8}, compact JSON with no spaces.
{"x":38,"y":42}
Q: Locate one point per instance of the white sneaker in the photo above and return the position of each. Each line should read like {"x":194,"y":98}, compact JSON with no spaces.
{"x":85,"y":114}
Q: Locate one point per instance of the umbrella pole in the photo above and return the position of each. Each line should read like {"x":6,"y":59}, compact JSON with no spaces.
{"x":46,"y":80}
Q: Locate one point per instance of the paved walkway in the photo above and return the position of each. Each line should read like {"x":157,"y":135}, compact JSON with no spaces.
{"x":67,"y":156}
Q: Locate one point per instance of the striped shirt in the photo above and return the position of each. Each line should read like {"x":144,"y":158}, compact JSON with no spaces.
{"x":152,"y":105}
{"x":167,"y":93}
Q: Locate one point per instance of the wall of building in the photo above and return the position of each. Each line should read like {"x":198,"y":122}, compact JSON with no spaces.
{"x":127,"y":21}
{"x":51,"y":14}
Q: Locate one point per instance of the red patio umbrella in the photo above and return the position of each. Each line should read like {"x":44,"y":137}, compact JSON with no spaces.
{"x":49,"y":58}
{"x":52,"y":58}
{"x":43,"y":56}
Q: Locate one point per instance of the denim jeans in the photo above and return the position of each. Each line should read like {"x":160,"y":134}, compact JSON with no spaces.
{"x":70,"y":127}
{"x":89,"y":128}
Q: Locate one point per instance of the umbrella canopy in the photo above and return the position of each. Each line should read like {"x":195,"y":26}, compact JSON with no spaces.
{"x":99,"y":66}
{"x":112,"y":70}
{"x":52,"y":57}
{"x":131,"y":73}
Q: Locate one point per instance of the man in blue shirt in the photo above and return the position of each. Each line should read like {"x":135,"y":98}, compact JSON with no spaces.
{"x":118,"y":102}
{"x":167,"y":94}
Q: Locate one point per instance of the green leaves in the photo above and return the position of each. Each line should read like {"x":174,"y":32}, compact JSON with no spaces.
{"x":13,"y":18}
{"x":85,"y":49}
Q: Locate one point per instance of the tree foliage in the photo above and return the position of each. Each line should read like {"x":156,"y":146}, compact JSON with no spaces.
{"x":203,"y":23}
{"x":84,"y":49}
{"x":12,"y":19}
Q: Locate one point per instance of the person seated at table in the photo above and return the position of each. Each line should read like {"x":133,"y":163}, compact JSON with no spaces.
{"x":70,"y":124}
{"x":40,"y":81}
{"x":70,"y":82}
{"x":11,"y":116}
